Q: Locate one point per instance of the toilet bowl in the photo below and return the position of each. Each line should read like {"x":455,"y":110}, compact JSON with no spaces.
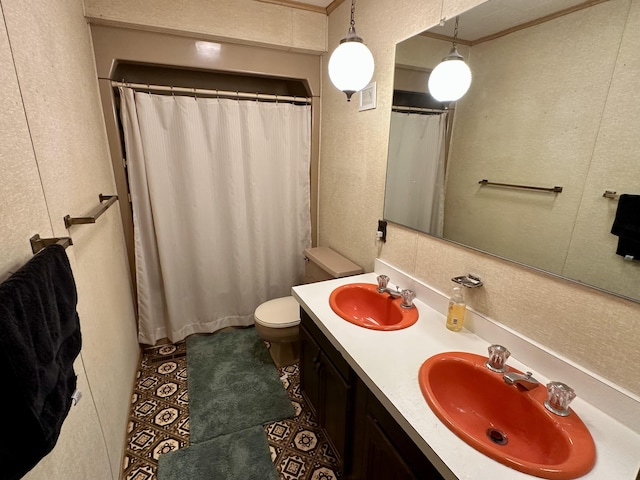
{"x":277,"y":323}
{"x":277,"y":320}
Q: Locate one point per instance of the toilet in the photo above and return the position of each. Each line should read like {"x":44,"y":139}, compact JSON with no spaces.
{"x":277,"y":320}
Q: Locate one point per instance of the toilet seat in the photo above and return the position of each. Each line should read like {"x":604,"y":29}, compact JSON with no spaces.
{"x":280,"y":312}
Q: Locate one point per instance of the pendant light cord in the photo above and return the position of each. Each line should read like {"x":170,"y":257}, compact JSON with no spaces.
{"x":455,"y":33}
{"x":352,"y":36}
{"x":353,"y":13}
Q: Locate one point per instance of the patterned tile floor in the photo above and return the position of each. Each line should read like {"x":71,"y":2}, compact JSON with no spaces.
{"x":159,"y":422}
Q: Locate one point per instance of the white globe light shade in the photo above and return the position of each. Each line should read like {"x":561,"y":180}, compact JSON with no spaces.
{"x":351,"y":67}
{"x":450,"y":80}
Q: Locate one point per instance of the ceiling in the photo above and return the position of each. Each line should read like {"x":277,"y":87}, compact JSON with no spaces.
{"x":499,"y":15}
{"x":486,"y":19}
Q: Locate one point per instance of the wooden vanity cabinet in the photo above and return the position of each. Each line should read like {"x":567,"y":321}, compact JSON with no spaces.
{"x":368,"y":440}
{"x":382,"y":449}
{"x":326,"y":380}
{"x":381,"y":459}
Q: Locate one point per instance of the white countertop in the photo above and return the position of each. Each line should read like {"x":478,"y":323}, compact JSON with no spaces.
{"x":388,"y":363}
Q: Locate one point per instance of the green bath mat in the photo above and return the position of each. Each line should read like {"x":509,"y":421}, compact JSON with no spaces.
{"x":242,"y":455}
{"x":233,"y":385}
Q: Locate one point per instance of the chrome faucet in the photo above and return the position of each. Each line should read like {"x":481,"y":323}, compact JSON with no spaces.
{"x":525,"y":382}
{"x":406,"y":295}
{"x":559,"y":395}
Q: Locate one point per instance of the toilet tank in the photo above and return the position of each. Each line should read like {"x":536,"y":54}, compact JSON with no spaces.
{"x":322,"y":263}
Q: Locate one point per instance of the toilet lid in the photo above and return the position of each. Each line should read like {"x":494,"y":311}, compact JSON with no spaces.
{"x":278,"y":313}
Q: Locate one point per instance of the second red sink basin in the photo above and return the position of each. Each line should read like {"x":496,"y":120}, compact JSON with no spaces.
{"x":504,"y":422}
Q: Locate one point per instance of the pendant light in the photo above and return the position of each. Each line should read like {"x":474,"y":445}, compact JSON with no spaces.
{"x":351,"y":64}
{"x":451,"y":78}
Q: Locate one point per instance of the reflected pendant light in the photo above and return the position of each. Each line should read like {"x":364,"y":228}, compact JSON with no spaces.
{"x":451,"y":78}
{"x":351,"y":64}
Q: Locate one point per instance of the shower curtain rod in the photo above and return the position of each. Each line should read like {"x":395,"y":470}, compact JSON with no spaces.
{"x":214,"y":93}
{"x":403,"y":109}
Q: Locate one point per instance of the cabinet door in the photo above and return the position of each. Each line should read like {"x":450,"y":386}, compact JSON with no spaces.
{"x":388,"y":451}
{"x":310,"y":370}
{"x":334,"y":415}
{"x":381,"y":460}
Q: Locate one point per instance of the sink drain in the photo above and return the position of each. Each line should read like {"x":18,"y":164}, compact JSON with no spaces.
{"x":497,"y":437}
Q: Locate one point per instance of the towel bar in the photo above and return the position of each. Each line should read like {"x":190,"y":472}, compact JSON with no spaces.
{"x":38,"y":243}
{"x":93,"y":216}
{"x":555,"y":189}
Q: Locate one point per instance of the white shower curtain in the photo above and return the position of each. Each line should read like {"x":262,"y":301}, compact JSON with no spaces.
{"x":414,"y":194}
{"x":220,"y":194}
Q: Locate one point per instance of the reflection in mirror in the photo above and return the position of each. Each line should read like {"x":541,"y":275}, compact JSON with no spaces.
{"x":554,"y":102}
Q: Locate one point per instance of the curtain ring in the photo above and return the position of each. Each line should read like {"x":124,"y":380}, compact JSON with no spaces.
{"x":195,"y":93}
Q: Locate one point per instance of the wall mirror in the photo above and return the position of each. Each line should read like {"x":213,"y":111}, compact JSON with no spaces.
{"x":554,"y":102}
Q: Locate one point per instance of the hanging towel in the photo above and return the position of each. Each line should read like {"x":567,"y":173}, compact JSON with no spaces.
{"x":627,"y":226}
{"x":39,"y":340}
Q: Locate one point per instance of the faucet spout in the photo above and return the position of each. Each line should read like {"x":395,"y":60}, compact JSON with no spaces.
{"x":524,"y":382}
{"x":393,"y":293}
{"x":406,"y":295}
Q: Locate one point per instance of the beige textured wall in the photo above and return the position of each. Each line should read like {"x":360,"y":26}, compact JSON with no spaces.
{"x":22,"y":204}
{"x":54,"y":162}
{"x":244,"y":21}
{"x":353,"y":145}
{"x":599,"y":331}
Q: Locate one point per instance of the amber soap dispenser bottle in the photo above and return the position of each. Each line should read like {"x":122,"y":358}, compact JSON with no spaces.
{"x":457,"y":309}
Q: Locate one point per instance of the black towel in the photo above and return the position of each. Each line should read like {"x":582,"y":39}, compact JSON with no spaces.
{"x":627,"y":225}
{"x":39,"y":340}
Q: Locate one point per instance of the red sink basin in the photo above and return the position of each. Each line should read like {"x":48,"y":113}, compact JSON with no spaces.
{"x":504,"y":422}
{"x":362,"y":305}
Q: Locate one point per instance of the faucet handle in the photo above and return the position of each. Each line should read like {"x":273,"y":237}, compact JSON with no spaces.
{"x":559,"y":396}
{"x":407,"y":298}
{"x":497,"y":358}
{"x":383,"y":280}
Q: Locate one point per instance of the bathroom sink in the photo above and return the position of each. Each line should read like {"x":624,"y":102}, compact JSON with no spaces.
{"x":503,"y":421}
{"x":361,"y":304}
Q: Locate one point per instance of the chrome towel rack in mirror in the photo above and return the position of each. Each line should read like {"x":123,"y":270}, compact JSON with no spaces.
{"x":93,"y":216}
{"x":555,"y":189}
